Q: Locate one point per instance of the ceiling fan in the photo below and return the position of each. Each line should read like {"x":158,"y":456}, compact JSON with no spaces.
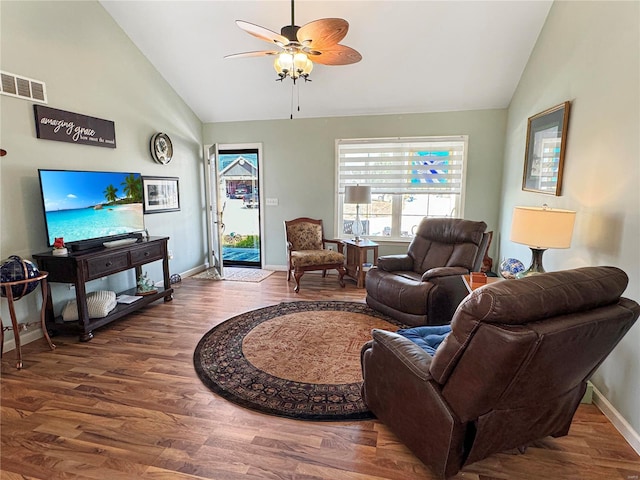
{"x":301,"y":47}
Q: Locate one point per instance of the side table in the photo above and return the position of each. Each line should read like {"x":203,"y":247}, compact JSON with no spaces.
{"x":356,"y":257}
{"x":471,"y":286}
{"x":42,"y":278}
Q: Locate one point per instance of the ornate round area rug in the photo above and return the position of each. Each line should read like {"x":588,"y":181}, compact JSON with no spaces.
{"x":298,"y":360}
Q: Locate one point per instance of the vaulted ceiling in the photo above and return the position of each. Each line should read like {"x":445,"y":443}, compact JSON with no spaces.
{"x":418,"y":56}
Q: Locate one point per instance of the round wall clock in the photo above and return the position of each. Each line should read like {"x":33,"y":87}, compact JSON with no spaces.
{"x":161,"y":148}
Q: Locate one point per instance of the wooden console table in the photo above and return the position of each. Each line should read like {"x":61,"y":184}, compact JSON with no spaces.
{"x":82,"y":266}
{"x":356,"y":257}
{"x":42,"y":279}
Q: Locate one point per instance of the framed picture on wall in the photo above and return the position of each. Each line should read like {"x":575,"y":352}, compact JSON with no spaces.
{"x":161,"y":194}
{"x":544,"y":154}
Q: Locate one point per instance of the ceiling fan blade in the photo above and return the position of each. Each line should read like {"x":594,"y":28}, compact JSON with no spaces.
{"x":323,"y":33}
{"x":262,"y":53}
{"x":262,"y":33}
{"x":336,"y":55}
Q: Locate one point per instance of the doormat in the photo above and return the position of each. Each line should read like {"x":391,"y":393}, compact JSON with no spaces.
{"x":235,"y":274}
{"x":246,"y":274}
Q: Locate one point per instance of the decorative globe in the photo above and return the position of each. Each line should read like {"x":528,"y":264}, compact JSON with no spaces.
{"x":510,"y":267}
{"x":14,"y":269}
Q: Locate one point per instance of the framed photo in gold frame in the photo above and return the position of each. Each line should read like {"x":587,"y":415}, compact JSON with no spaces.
{"x":544,"y":154}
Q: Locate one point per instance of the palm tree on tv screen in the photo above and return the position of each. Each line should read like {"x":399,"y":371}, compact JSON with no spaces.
{"x":110,"y":193}
{"x":133,"y":187}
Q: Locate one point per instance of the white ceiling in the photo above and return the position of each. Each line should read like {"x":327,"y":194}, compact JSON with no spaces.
{"x":418,"y":56}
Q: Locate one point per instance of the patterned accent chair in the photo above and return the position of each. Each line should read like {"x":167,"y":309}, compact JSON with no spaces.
{"x":306,"y":248}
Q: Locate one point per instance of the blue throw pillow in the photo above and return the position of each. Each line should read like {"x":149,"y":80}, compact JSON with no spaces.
{"x":427,"y":338}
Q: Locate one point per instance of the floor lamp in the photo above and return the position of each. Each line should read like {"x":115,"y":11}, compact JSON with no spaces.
{"x":358,"y":195}
{"x":541,"y":228}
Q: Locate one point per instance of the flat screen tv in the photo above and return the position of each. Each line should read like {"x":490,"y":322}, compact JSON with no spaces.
{"x":88,"y":208}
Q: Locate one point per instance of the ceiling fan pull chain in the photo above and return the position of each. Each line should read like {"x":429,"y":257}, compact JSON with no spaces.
{"x":292,"y":87}
{"x":298,"y":89}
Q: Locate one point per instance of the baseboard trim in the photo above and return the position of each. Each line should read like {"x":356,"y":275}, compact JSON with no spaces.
{"x":276,"y":268}
{"x":617,"y":420}
{"x":194,"y":271}
{"x":25,"y":337}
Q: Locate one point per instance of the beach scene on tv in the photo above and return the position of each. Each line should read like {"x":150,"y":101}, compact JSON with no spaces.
{"x":86,"y":205}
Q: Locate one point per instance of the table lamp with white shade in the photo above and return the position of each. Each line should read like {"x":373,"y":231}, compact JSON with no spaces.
{"x":358,"y":195}
{"x":541,"y":228}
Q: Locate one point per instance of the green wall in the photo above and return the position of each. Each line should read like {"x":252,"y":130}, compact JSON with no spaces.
{"x":90,"y":67}
{"x":299,"y":163}
{"x":589,"y":53}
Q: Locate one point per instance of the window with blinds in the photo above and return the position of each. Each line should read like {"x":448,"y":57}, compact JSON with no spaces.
{"x":410,"y":178}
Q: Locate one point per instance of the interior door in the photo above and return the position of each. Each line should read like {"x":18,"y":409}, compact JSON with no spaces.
{"x":215,"y":211}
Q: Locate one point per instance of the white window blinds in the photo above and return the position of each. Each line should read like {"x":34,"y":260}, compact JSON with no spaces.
{"x":401,"y":166}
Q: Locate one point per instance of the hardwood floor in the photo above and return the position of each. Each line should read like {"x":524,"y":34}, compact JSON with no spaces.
{"x":128,"y":405}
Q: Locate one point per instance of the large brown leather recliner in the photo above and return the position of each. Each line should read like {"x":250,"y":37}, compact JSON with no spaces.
{"x":513,"y":369}
{"x":423,"y":286}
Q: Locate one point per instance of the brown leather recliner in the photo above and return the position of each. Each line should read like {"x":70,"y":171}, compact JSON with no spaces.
{"x":513,"y":369}
{"x":423,"y":286}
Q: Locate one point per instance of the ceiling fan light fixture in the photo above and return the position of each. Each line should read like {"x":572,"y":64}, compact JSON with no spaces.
{"x":293,"y":64}
{"x":283,"y":63}
{"x":308,"y":67}
{"x":300,"y":61}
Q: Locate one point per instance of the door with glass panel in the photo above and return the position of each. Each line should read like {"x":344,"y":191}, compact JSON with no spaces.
{"x":237,"y":191}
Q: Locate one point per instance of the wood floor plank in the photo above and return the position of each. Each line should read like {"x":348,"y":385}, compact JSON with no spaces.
{"x":129,"y":405}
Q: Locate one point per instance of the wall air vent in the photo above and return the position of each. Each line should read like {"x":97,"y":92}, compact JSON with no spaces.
{"x":23,"y":87}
